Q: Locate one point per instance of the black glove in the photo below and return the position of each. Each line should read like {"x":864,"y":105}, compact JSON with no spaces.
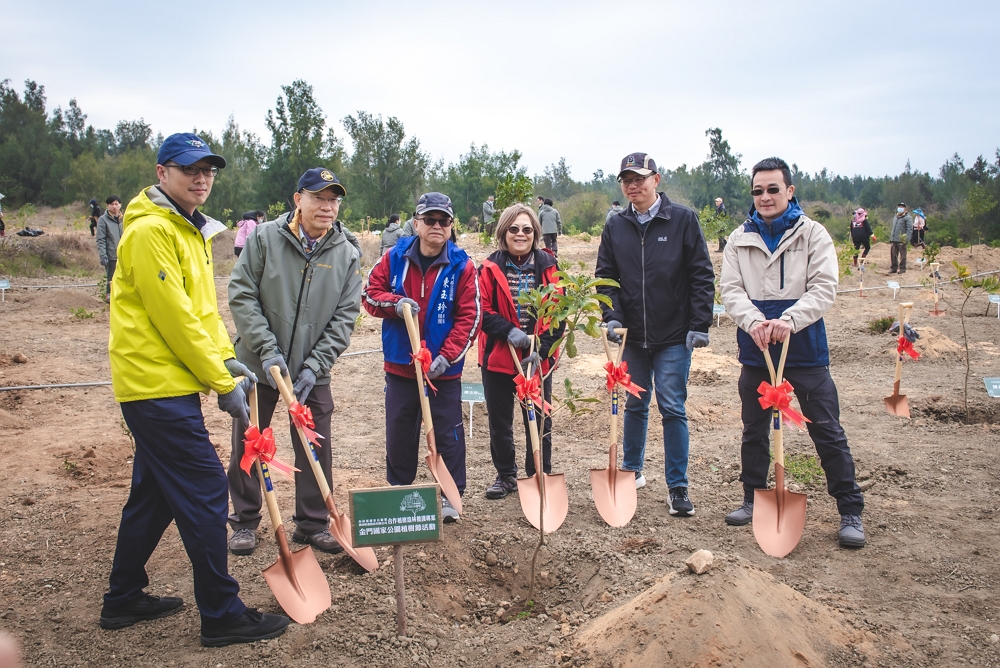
{"x":613,"y":336}
{"x":235,"y":403}
{"x":304,"y":384}
{"x":414,"y":308}
{"x":237,"y":368}
{"x":518,"y":338}
{"x":277,"y":361}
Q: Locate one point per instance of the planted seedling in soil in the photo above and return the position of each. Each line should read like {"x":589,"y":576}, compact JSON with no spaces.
{"x":969,"y":284}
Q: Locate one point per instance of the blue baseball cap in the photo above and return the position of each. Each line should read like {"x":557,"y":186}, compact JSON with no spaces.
{"x":185,"y":149}
{"x":434,"y":202}
{"x":320,"y":178}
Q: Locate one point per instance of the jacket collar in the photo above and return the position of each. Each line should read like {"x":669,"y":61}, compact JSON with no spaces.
{"x":333,"y":236}
{"x":211,"y":228}
{"x":751,"y":237}
{"x":665,"y":210}
{"x":444,"y":257}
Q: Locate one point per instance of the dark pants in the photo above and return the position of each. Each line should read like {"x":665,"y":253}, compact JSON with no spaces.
{"x":897,"y":256}
{"x":93,"y":226}
{"x":176,"y":476}
{"x":311,"y":515}
{"x":818,"y":399}
{"x":404,"y":444}
{"x":551,"y":242}
{"x":500,"y":398}
{"x":858,"y":243}
{"x":110,"y":270}
{"x":237,"y":250}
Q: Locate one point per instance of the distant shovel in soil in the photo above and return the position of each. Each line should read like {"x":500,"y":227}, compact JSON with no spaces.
{"x":896,"y":403}
{"x":295,"y":579}
{"x":340,"y":523}
{"x":614,"y":489}
{"x":544,"y":499}
{"x":779,"y":516}
{"x":434,"y":460}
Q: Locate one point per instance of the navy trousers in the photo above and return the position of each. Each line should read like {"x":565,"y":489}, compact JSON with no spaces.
{"x":500,"y":399}
{"x":405,"y":446}
{"x":176,"y":476}
{"x":817,"y":395}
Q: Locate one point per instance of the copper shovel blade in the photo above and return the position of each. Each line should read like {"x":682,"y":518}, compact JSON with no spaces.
{"x":896,"y":403}
{"x":297,"y":581}
{"x":340,"y":528}
{"x":779,"y":516}
{"x":614,"y":491}
{"x":443,"y":477}
{"x":556,"y":499}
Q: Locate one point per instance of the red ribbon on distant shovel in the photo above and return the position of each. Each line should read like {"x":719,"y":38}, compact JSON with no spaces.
{"x":530,"y":388}
{"x":906,"y":346}
{"x":780,"y":398}
{"x":423,"y":358}
{"x":257,"y":443}
{"x":617,"y":374}
{"x":302,"y":417}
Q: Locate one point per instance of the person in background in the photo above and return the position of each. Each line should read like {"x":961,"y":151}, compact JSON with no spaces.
{"x":919,"y":229}
{"x":861,"y":233}
{"x":488,"y":212}
{"x":3,"y":227}
{"x":408,"y":228}
{"x":244,"y":227}
{"x":390,"y":235}
{"x":261,"y":216}
{"x":616,"y":208}
{"x":109,"y":233}
{"x":720,"y":207}
{"x":901,"y":229}
{"x":517,"y":268}
{"x":95,"y":214}
{"x":771,"y":299}
{"x":439,"y":282}
{"x":551,"y":223}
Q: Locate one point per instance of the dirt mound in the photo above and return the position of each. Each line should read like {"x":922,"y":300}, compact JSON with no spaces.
{"x":981,"y":412}
{"x":934,"y":344}
{"x":67,"y":299}
{"x":736,"y":615}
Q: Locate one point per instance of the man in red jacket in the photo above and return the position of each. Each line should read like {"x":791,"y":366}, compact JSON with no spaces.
{"x":438,"y":280}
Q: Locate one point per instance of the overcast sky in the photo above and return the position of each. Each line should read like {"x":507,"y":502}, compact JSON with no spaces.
{"x":858,"y":87}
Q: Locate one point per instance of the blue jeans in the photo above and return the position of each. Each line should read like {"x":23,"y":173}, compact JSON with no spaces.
{"x":668,"y":369}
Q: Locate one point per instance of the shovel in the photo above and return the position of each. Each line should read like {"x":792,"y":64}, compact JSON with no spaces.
{"x":295,"y":579}
{"x":340,"y":523}
{"x":544,"y":499}
{"x":896,"y":403}
{"x":434,"y":460}
{"x":613,"y":489}
{"x":779,"y":516}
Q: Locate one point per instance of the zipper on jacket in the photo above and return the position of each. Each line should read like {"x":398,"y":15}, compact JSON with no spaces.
{"x":642,"y":262}
{"x":782,"y":271}
{"x":298,"y":305}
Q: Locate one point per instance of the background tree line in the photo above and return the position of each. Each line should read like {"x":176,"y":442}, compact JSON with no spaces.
{"x":55,"y":158}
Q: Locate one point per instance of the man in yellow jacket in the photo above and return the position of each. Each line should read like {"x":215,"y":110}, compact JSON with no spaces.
{"x":168,"y":344}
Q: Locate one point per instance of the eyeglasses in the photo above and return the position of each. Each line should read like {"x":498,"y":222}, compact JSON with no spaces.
{"x":526,"y":231}
{"x":193,"y":170}
{"x":771,"y":190}
{"x":633,"y":182}
{"x":431,"y":222}
{"x":330,"y":201}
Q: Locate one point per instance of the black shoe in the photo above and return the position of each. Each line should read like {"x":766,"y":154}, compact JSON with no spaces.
{"x":679,"y":502}
{"x":143,"y":608}
{"x":503,"y":486}
{"x":321,"y":540}
{"x":741,"y":516}
{"x":251,"y":626}
{"x":852,"y":531}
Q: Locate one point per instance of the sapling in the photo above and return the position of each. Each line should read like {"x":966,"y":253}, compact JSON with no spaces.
{"x":969,"y":285}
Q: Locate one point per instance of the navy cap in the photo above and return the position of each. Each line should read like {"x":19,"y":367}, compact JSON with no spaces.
{"x":185,"y":149}
{"x":640,"y":163}
{"x":434,"y":202}
{"x":320,"y":178}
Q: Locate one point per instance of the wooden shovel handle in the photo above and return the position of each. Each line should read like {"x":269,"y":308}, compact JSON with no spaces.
{"x":289,"y":399}
{"x":425,"y":404}
{"x":263,"y":474}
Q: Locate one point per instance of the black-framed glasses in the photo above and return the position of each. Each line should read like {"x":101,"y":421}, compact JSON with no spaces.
{"x":638,"y":181}
{"x":443,"y":222}
{"x":526,"y":231}
{"x":771,"y":190}
{"x":194,"y":170}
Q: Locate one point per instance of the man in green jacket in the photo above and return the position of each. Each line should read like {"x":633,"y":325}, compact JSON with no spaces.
{"x":109,"y":233}
{"x":899,"y":236}
{"x":294,"y":294}
{"x":551,"y":222}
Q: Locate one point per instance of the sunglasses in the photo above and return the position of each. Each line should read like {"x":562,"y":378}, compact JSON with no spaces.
{"x":443,"y":222}
{"x":526,"y":231}
{"x":771,"y":190}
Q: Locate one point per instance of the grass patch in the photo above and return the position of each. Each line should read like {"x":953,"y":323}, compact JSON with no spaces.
{"x":82,"y":313}
{"x":803,"y":469}
{"x":49,"y":255}
{"x":880,"y":325}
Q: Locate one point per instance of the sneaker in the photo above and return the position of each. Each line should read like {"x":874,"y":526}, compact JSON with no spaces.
{"x":503,"y":486}
{"x":321,"y":540}
{"x":448,"y":512}
{"x":741,"y":516}
{"x":852,"y":532}
{"x":640,"y":480}
{"x":679,"y":502}
{"x":251,"y":626}
{"x":143,"y":608}
{"x":243,"y":541}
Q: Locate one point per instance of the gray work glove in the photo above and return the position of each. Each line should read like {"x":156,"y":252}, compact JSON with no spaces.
{"x":237,"y":368}
{"x":235,"y":402}
{"x":910,"y":333}
{"x":613,"y":336}
{"x":304,"y":384}
{"x":696,"y":340}
{"x":104,"y":262}
{"x":277,"y":361}
{"x":533,"y":359}
{"x":438,"y":367}
{"x":414,"y":308}
{"x":518,"y":338}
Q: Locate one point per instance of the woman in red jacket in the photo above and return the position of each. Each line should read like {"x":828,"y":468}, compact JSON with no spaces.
{"x":518,"y":267}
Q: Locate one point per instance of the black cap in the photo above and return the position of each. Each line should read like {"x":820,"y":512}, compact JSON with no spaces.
{"x":434,"y":202}
{"x":640,"y":163}
{"x":901,"y":204}
{"x":320,"y":178}
{"x":250,"y":215}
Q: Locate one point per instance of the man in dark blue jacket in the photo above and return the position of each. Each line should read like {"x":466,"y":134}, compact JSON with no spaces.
{"x":656,"y":251}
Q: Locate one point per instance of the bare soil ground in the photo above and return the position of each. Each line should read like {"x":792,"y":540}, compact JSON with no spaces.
{"x":922,"y":593}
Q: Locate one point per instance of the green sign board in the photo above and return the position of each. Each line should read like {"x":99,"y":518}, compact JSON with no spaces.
{"x":390,"y":515}
{"x":992,"y":386}
{"x":473,"y":392}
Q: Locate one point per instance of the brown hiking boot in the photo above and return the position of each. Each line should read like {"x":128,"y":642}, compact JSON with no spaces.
{"x":322,"y":540}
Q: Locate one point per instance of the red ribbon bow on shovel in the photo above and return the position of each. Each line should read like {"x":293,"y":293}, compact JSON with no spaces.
{"x":423,"y":358}
{"x":302,"y":417}
{"x":780,"y":398}
{"x":619,"y":375}
{"x":906,"y":346}
{"x":257,"y":443}
{"x":530,"y":388}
